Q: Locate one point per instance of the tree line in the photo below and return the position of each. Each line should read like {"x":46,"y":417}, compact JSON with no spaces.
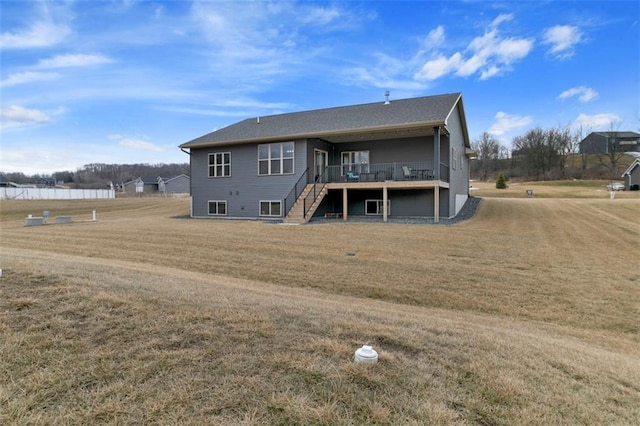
{"x":543,"y":154}
{"x":100,"y":175}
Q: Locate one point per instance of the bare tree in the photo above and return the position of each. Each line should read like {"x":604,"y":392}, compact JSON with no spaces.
{"x":561,"y":140}
{"x":488,"y":149}
{"x":613,"y":153}
{"x":578,"y":137}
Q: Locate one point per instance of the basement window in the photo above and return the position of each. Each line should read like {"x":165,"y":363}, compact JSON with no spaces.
{"x":374,"y":207}
{"x":217,"y":208}
{"x":271,"y":208}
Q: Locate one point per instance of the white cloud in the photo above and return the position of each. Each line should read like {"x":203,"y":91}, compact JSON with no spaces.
{"x":27,"y":77}
{"x":262,"y":41}
{"x":440,"y":66}
{"x":583,"y":93}
{"x":15,"y":116}
{"x":435,"y":37}
{"x":598,"y":121}
{"x":237,"y":107}
{"x":382,"y":78}
{"x":490,"y":54}
{"x":321,"y":15}
{"x":135,"y":143}
{"x":562,"y":39}
{"x":78,"y":60}
{"x":41,"y":34}
{"x":506,"y":122}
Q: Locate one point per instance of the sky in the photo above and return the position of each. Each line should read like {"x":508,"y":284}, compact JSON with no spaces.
{"x":123,"y":82}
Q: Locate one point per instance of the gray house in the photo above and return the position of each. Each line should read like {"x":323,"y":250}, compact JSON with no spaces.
{"x":631,"y":176}
{"x":146,"y":185}
{"x":175,"y":185}
{"x":606,"y":142}
{"x":401,"y":158}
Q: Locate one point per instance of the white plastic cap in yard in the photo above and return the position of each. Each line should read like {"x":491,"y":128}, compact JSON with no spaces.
{"x":366,"y":355}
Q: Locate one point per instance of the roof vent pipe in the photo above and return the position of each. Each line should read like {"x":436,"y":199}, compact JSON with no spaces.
{"x":258,"y":120}
{"x":386,"y":94}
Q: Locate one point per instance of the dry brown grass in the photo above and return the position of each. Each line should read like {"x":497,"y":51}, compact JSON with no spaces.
{"x":528,"y":313}
{"x":556,"y":189}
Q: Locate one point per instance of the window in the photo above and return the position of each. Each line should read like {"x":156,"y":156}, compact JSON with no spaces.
{"x":217,"y":208}
{"x":374,"y":207}
{"x":220,"y":164}
{"x":270,"y":208}
{"x":357,"y":161}
{"x":275,"y":158}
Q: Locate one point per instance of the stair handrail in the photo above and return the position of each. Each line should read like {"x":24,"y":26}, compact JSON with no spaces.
{"x":295,"y":192}
{"x":314,"y":193}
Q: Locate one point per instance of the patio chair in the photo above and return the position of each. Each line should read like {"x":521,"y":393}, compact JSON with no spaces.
{"x":406,"y":171}
{"x":352,"y":176}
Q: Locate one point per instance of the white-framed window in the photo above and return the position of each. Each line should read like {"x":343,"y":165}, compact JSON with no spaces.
{"x":357,"y":161}
{"x":454,"y":158}
{"x":276,"y":158}
{"x":374,"y":207}
{"x":271,"y":208}
{"x":220,"y":164}
{"x":217,"y":208}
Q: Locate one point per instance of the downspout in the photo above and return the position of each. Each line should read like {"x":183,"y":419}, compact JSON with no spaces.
{"x":190,"y":180}
{"x":436,"y":152}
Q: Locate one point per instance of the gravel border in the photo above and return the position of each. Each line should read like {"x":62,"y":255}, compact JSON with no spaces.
{"x":467,"y":212}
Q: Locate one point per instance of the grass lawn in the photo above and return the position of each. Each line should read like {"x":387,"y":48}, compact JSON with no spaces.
{"x":526,"y":313}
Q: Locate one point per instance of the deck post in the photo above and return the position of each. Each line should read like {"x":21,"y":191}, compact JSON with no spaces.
{"x":345,"y":203}
{"x":436,"y":204}
{"x":385,"y":196}
{"x":436,"y":153}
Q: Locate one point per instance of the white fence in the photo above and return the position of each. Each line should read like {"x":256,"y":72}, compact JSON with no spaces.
{"x":54,"y":194}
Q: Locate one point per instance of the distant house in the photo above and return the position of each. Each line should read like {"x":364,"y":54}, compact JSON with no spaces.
{"x":117,"y":186}
{"x":175,"y":185}
{"x":631,"y":176}
{"x":5,"y":183}
{"x":153,"y":185}
{"x":607,"y":142}
{"x":399,"y":158}
{"x":141,"y":185}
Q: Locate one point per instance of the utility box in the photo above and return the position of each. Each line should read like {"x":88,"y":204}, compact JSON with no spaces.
{"x":63,"y":219}
{"x":33,"y":221}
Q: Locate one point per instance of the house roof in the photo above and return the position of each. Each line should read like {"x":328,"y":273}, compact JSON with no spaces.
{"x":146,"y":180}
{"x":176,"y":177}
{"x":633,"y":165}
{"x":379,"y":120}
{"x":620,"y":135}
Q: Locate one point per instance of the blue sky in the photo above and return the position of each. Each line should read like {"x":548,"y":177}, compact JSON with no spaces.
{"x":128,"y":81}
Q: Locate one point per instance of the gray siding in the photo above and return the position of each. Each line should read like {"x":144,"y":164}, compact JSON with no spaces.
{"x":390,"y":150}
{"x":458,"y":178}
{"x":179,"y":185}
{"x":244,"y":189}
{"x":403,"y":203}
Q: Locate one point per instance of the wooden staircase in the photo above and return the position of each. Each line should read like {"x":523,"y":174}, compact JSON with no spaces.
{"x":296,"y":214}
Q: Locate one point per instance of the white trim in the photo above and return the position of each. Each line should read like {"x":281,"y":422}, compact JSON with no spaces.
{"x":282,"y":159}
{"x":633,"y":165}
{"x":216,"y":165}
{"x":270,"y":208}
{"x":226,"y":209}
{"x":379,"y":207}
